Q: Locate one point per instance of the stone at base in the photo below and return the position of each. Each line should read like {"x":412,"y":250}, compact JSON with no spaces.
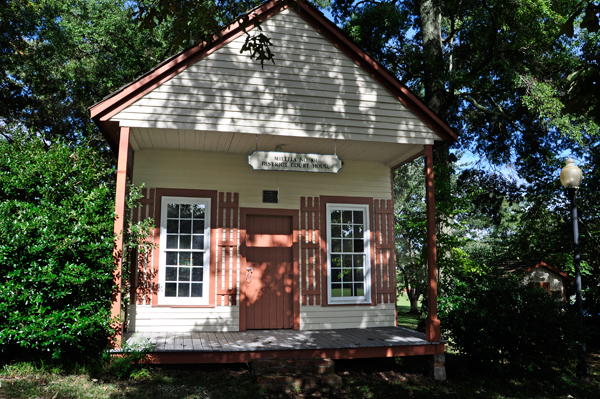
{"x":439,"y":371}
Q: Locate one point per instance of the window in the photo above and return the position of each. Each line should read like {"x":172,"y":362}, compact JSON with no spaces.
{"x":184,"y":251}
{"x":348,"y":257}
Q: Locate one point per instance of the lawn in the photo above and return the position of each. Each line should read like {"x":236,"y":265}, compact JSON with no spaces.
{"x":404,"y":318}
{"x":365,"y":378}
{"x":362,"y":378}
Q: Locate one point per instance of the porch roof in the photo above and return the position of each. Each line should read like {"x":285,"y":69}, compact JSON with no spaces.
{"x":326,"y":88}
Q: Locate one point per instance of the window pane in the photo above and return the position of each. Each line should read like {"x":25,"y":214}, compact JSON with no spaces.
{"x":347,"y":261}
{"x":185,"y":242}
{"x":172,"y":210}
{"x":172,"y":226}
{"x":198,"y":211}
{"x":336,"y":290}
{"x":358,"y":217}
{"x":336,"y":261}
{"x":171,"y":258}
{"x":186,"y":211}
{"x":172,"y":241}
{"x":347,"y":230}
{"x":358,"y":275}
{"x":348,"y":247}
{"x":359,"y":261}
{"x":171,"y":274}
{"x":358,"y":231}
{"x":336,"y":275}
{"x":197,"y":290}
{"x":347,"y":289}
{"x":336,"y":230}
{"x":336,"y":217}
{"x":346,"y":274}
{"x":184,"y":290}
{"x":359,"y":245}
{"x":197,"y":274}
{"x":185,"y":258}
{"x":185,"y":226}
{"x":197,"y":259}
{"x":336,"y":246}
{"x":198,"y":227}
{"x":346,"y":216}
{"x":170,"y":289}
{"x":359,"y":289}
{"x":198,"y":242}
{"x":184,"y":274}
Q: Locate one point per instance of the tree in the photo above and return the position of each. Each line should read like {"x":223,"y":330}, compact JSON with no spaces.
{"x":60,"y":57}
{"x":494,"y":69}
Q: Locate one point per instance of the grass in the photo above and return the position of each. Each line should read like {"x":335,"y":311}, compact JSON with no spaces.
{"x":364,"y":378}
{"x":406,"y":319}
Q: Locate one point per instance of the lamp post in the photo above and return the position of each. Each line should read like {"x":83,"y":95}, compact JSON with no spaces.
{"x":570,"y":177}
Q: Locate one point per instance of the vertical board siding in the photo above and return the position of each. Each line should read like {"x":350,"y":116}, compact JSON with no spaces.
{"x":143,"y":276}
{"x":227,"y":249}
{"x":384,"y":251}
{"x":310,"y":254}
{"x":313,"y":88}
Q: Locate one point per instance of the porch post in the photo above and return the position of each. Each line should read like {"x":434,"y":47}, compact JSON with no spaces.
{"x":119,"y":228}
{"x":432,"y":325}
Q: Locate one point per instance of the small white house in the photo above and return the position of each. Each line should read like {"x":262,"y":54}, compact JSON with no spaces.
{"x":270,"y":188}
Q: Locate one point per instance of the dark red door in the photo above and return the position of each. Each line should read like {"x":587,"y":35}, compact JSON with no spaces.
{"x":268,"y":302}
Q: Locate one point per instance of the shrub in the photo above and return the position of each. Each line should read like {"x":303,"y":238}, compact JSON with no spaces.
{"x":56,"y":242}
{"x":501,"y":325}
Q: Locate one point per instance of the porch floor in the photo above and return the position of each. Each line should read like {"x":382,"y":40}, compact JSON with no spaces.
{"x":230,"y":347}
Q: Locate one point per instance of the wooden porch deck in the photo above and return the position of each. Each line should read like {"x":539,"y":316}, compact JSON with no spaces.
{"x":234,"y":347}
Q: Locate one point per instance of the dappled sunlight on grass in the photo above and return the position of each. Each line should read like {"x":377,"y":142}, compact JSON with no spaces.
{"x":406,"y":319}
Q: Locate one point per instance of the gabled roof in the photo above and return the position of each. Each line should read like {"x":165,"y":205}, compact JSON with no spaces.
{"x":526,"y":266}
{"x":124,"y":97}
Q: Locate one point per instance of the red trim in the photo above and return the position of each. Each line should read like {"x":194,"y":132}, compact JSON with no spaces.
{"x":176,"y":192}
{"x":107,"y":108}
{"x":243,"y":357}
{"x":119,"y":228}
{"x":432,"y":325}
{"x":543,"y":264}
{"x":244,"y":212}
{"x":325,"y":199}
{"x":395,"y":283}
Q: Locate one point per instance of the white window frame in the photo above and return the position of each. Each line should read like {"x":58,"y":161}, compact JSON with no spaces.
{"x":162,"y":299}
{"x":366,"y":298}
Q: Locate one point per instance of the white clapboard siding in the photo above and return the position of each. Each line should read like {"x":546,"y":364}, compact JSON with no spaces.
{"x":327,"y":317}
{"x":313,"y":90}
{"x":145,"y":318}
{"x":543,"y":275}
{"x":231,"y":173}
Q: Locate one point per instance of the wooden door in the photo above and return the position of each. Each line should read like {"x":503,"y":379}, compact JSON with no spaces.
{"x":269,"y":252}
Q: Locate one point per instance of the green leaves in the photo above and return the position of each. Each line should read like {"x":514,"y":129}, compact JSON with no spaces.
{"x":501,"y":325}
{"x":56,"y":221}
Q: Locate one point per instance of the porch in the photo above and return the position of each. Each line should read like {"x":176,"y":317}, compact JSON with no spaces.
{"x":239,"y":347}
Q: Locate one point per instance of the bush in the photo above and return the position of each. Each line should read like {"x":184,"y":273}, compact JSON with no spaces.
{"x":56,"y":243}
{"x":501,"y":325}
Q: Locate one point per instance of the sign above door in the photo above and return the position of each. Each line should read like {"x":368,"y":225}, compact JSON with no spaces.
{"x":294,"y":162}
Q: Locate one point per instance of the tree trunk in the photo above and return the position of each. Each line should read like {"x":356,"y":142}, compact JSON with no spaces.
{"x":436,"y":98}
{"x":433,"y":65}
{"x":414,"y":303}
